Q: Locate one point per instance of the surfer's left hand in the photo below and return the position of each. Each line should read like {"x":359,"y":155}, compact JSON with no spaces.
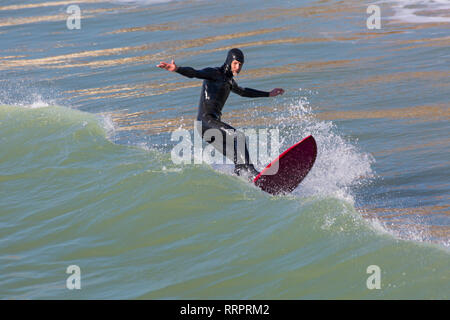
{"x":276,"y":92}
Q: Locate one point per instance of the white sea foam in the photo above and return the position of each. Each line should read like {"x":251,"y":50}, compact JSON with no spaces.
{"x":33,"y":101}
{"x":420,"y":11}
{"x":38,"y":102}
{"x":339,"y":166}
{"x":408,"y":232}
{"x":143,"y":2}
{"x":109,"y":126}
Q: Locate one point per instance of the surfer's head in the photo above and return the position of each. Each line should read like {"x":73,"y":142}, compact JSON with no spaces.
{"x":234,"y":62}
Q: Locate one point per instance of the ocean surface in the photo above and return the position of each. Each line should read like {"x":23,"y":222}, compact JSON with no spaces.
{"x":87,"y":177}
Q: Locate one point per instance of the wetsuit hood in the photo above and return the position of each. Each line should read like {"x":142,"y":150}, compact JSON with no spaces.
{"x":233,"y":54}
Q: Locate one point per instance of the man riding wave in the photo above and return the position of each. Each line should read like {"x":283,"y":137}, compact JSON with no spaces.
{"x":217,"y":84}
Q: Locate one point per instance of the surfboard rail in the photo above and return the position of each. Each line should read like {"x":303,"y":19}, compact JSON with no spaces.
{"x":293,"y":166}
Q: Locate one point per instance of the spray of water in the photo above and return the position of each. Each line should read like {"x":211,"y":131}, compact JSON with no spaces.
{"x":340,"y":165}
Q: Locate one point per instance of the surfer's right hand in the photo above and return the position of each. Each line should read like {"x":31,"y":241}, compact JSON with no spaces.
{"x":168,"y":66}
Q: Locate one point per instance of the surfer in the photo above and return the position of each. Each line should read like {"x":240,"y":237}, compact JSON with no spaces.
{"x":217,"y":84}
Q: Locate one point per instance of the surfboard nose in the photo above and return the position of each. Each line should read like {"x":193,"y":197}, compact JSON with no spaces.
{"x":288,"y":170}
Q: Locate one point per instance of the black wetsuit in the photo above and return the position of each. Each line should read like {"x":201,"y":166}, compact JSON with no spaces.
{"x":217,"y":84}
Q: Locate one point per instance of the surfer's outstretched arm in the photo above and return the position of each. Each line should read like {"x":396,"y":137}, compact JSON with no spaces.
{"x":253,"y":93}
{"x":207,"y":73}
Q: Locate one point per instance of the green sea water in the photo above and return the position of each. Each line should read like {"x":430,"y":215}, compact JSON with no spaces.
{"x":140,"y":227}
{"x":87,"y":177}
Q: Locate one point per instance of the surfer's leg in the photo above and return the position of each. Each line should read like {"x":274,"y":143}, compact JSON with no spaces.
{"x":241,"y":158}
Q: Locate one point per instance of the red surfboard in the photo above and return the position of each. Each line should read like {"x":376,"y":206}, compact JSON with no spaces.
{"x":286,"y":172}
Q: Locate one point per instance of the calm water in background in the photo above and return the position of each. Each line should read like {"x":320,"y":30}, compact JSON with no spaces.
{"x":86,"y":176}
